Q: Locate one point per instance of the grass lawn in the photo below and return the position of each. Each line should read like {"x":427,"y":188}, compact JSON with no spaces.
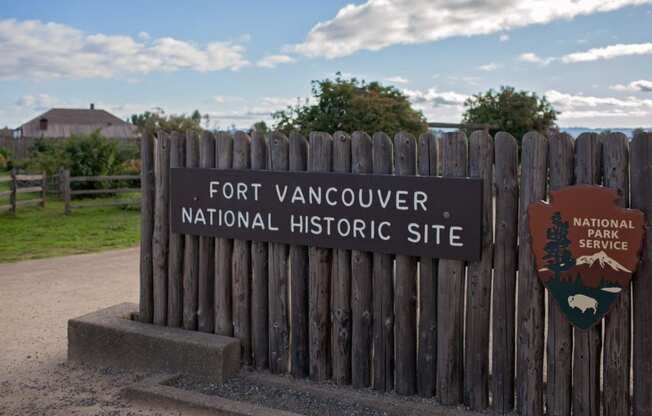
{"x":45,"y":232}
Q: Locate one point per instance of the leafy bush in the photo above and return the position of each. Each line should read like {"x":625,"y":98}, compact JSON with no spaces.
{"x":349,"y":105}
{"x":5,"y":159}
{"x":91,"y":155}
{"x":84,"y":155}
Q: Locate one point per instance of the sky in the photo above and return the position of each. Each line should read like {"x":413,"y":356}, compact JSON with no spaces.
{"x":239,"y":61}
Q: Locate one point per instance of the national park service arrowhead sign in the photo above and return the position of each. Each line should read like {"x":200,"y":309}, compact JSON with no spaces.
{"x":586,"y":248}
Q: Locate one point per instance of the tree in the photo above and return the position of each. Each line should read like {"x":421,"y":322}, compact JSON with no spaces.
{"x":558,"y":257}
{"x":515,"y":112}
{"x":151,"y":122}
{"x":259,"y":126}
{"x":350,"y":105}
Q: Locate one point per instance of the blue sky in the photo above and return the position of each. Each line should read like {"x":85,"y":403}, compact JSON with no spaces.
{"x":240,"y":61}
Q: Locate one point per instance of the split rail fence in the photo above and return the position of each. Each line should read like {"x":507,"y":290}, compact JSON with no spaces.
{"x":405,"y":324}
{"x":23,"y":184}
{"x":67,"y":193}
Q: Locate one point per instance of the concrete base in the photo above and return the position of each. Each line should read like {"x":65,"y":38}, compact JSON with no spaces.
{"x":109,"y":338}
{"x":157,"y":390}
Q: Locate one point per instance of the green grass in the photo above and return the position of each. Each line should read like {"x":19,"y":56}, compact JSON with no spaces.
{"x":46,"y":232}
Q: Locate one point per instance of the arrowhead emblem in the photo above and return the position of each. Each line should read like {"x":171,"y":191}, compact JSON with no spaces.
{"x":586,"y":248}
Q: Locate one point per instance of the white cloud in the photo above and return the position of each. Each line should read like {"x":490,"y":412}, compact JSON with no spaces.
{"x":397,"y":80}
{"x":534,"y":58}
{"x":271,"y":61}
{"x":503,"y":38}
{"x":442,"y":106}
{"x":492,"y":66}
{"x":435,"y":98}
{"x":627,"y":111}
{"x":33,"y":49}
{"x":609,"y":52}
{"x":377,"y":24}
{"x":38,"y":102}
{"x":638,"y":86}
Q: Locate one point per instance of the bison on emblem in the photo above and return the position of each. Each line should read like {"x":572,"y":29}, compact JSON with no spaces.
{"x":586,"y":249}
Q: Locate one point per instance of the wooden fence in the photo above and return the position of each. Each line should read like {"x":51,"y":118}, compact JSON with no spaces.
{"x":405,"y":324}
{"x":17,"y":186}
{"x":66,"y":181}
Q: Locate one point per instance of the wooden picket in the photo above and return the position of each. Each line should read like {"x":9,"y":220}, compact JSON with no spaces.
{"x":504,"y":282}
{"x":560,"y":332}
{"x":469,"y":334}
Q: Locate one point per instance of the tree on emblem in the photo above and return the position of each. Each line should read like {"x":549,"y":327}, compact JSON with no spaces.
{"x":558,"y":257}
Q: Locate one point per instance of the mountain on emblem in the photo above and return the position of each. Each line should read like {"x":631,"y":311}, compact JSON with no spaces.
{"x":586,"y":248}
{"x":603,"y":259}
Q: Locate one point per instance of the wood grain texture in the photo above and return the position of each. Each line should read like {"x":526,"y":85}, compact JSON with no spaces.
{"x":223,"y":250}
{"x":279,"y":325}
{"x":529,"y":359}
{"x":361,"y":281}
{"x":478,"y":290}
{"x":560,"y":333}
{"x":617,"y":323}
{"x":641,"y":198}
{"x":587,"y":343}
{"x":161,"y":228}
{"x":298,"y":277}
{"x":341,"y":280}
{"x":259,"y":271}
{"x":383,"y":284}
{"x":176,"y":243}
{"x":504,"y":283}
{"x":147,"y":190}
{"x":405,"y":292}
{"x":320,"y":159}
{"x":241,"y":263}
{"x":191,"y":251}
{"x":427,"y":342}
{"x":206,"y":295}
{"x":450,"y":291}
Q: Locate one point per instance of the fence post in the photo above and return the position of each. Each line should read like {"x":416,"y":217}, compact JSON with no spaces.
{"x":65,"y":188}
{"x":320,"y":159}
{"x":529,"y":338}
{"x":44,"y":189}
{"x":12,"y":197}
{"x":405,"y":287}
{"x":341,"y":281}
{"x":277,"y":283}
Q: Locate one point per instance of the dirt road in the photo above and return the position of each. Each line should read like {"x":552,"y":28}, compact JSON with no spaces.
{"x":37,"y":297}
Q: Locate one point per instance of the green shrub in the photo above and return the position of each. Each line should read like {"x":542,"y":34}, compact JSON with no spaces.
{"x":5,"y":159}
{"x":84,"y":155}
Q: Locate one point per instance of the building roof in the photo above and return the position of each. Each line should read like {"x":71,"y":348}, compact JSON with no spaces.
{"x":65,"y":122}
{"x":79,"y":116}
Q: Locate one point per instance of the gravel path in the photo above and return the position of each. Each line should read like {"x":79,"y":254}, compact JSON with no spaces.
{"x":37,"y":297}
{"x":241,"y":389}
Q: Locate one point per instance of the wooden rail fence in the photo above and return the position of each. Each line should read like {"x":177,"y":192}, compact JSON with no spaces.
{"x":17,"y":186}
{"x":65,"y":181}
{"x":405,"y":324}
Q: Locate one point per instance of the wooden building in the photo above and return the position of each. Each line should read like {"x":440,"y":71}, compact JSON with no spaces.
{"x":65,"y":122}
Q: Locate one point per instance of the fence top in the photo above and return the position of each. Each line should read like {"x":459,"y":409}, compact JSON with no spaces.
{"x":462,"y":126}
{"x":104,"y":178}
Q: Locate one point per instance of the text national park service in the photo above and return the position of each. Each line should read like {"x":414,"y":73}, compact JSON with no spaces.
{"x":413,"y":215}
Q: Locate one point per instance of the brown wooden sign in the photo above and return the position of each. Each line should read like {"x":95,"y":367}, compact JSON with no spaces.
{"x":586,"y":249}
{"x":412,"y":215}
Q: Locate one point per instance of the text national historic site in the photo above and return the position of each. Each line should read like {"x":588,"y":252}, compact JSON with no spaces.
{"x":424,"y":216}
